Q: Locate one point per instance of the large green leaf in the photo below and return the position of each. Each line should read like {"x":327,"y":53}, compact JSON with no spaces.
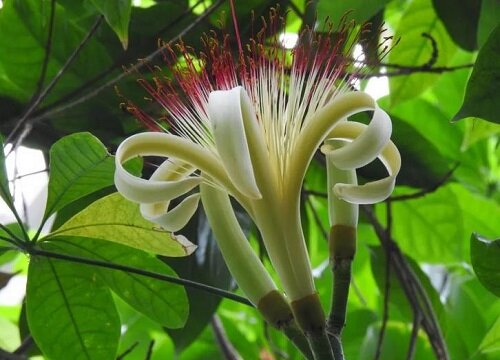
{"x":206,"y":266}
{"x":431,"y":228}
{"x":24,"y":29}
{"x":416,"y":50}
{"x":483,"y":90}
{"x":359,"y":10}
{"x":79,"y":166}
{"x":117,"y":15}
{"x":71,"y":314}
{"x":161,"y":301}
{"x":488,"y":20}
{"x":114,"y":218}
{"x":397,"y":295}
{"x":485,"y":257}
{"x":4,"y":180}
{"x":460,"y":20}
{"x":395,"y":345}
{"x":491,"y":342}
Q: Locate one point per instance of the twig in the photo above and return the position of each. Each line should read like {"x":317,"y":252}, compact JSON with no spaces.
{"x":127,"y":351}
{"x":226,"y":347}
{"x":149,"y":352}
{"x":135,"y":67}
{"x":30,"y":174}
{"x":120,"y":61}
{"x":25,"y":346}
{"x":150,"y":274}
{"x":25,"y":119}
{"x":317,"y":219}
{"x":427,"y":191}
{"x":412,"y":287}
{"x":387,"y":286}
{"x":413,"y":337}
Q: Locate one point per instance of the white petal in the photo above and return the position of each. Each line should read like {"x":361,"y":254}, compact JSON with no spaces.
{"x":172,"y":220}
{"x":366,"y":147}
{"x":225,"y":113}
{"x":375,"y":191}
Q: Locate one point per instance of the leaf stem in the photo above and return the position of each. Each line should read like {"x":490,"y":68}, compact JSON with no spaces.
{"x":162,"y":277}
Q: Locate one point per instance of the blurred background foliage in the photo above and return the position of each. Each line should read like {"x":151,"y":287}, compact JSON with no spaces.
{"x":60,"y":64}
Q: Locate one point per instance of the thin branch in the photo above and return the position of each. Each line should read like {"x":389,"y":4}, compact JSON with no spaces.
{"x":414,"y":291}
{"x":30,"y":174}
{"x":226,"y":347}
{"x":387,"y":286}
{"x":317,"y":219}
{"x":48,"y":49}
{"x":427,"y":191}
{"x":137,"y":66}
{"x":25,"y":346}
{"x":149,"y":352}
{"x":127,"y":351}
{"x":413,"y":337}
{"x":25,"y":121}
{"x":150,"y":274}
{"x":117,"y":64}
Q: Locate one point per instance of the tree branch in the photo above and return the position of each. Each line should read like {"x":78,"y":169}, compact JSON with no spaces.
{"x":226,"y":347}
{"x":150,"y":274}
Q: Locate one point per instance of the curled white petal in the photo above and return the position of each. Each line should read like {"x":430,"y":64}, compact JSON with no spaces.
{"x":141,"y":190}
{"x":171,"y":220}
{"x":226,"y":116}
{"x":366,"y":147}
{"x":374,"y":191}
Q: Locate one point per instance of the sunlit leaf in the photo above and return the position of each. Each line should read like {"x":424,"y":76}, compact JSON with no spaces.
{"x":117,"y":15}
{"x":359,"y":10}
{"x":163,"y":302}
{"x":113,"y":218}
{"x":491,"y":342}
{"x":484,"y":258}
{"x":416,"y":50}
{"x":483,"y":90}
{"x":71,"y":314}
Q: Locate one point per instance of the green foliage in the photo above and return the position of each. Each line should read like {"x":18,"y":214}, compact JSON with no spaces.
{"x":117,"y":15}
{"x":483,"y":90}
{"x":484,"y":258}
{"x":113,"y":218}
{"x":71,"y":314}
{"x":76,"y":310}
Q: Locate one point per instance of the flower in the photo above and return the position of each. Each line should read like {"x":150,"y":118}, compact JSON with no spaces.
{"x":248,"y":126}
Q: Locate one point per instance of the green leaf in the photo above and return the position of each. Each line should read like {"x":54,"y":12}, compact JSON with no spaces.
{"x":161,"y":301}
{"x":491,"y":342}
{"x":460,"y":21}
{"x":117,"y":15}
{"x":395,"y":343}
{"x":484,"y":259}
{"x":430,"y":228}
{"x":206,"y":266}
{"x":79,"y":166}
{"x":359,"y":10}
{"x":71,"y":314}
{"x":483,"y":89}
{"x":24,"y":28}
{"x":488,"y":20}
{"x":477,"y":130}
{"x":4,"y":180}
{"x":416,"y":50}
{"x":114,"y":218}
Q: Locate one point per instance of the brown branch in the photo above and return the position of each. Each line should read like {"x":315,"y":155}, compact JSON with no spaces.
{"x":413,"y":337}
{"x":90,"y":95}
{"x":25,"y":120}
{"x":226,"y":347}
{"x":413,"y":289}
{"x":387,"y":287}
{"x":127,"y":351}
{"x":427,"y":191}
{"x":408,"y":70}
